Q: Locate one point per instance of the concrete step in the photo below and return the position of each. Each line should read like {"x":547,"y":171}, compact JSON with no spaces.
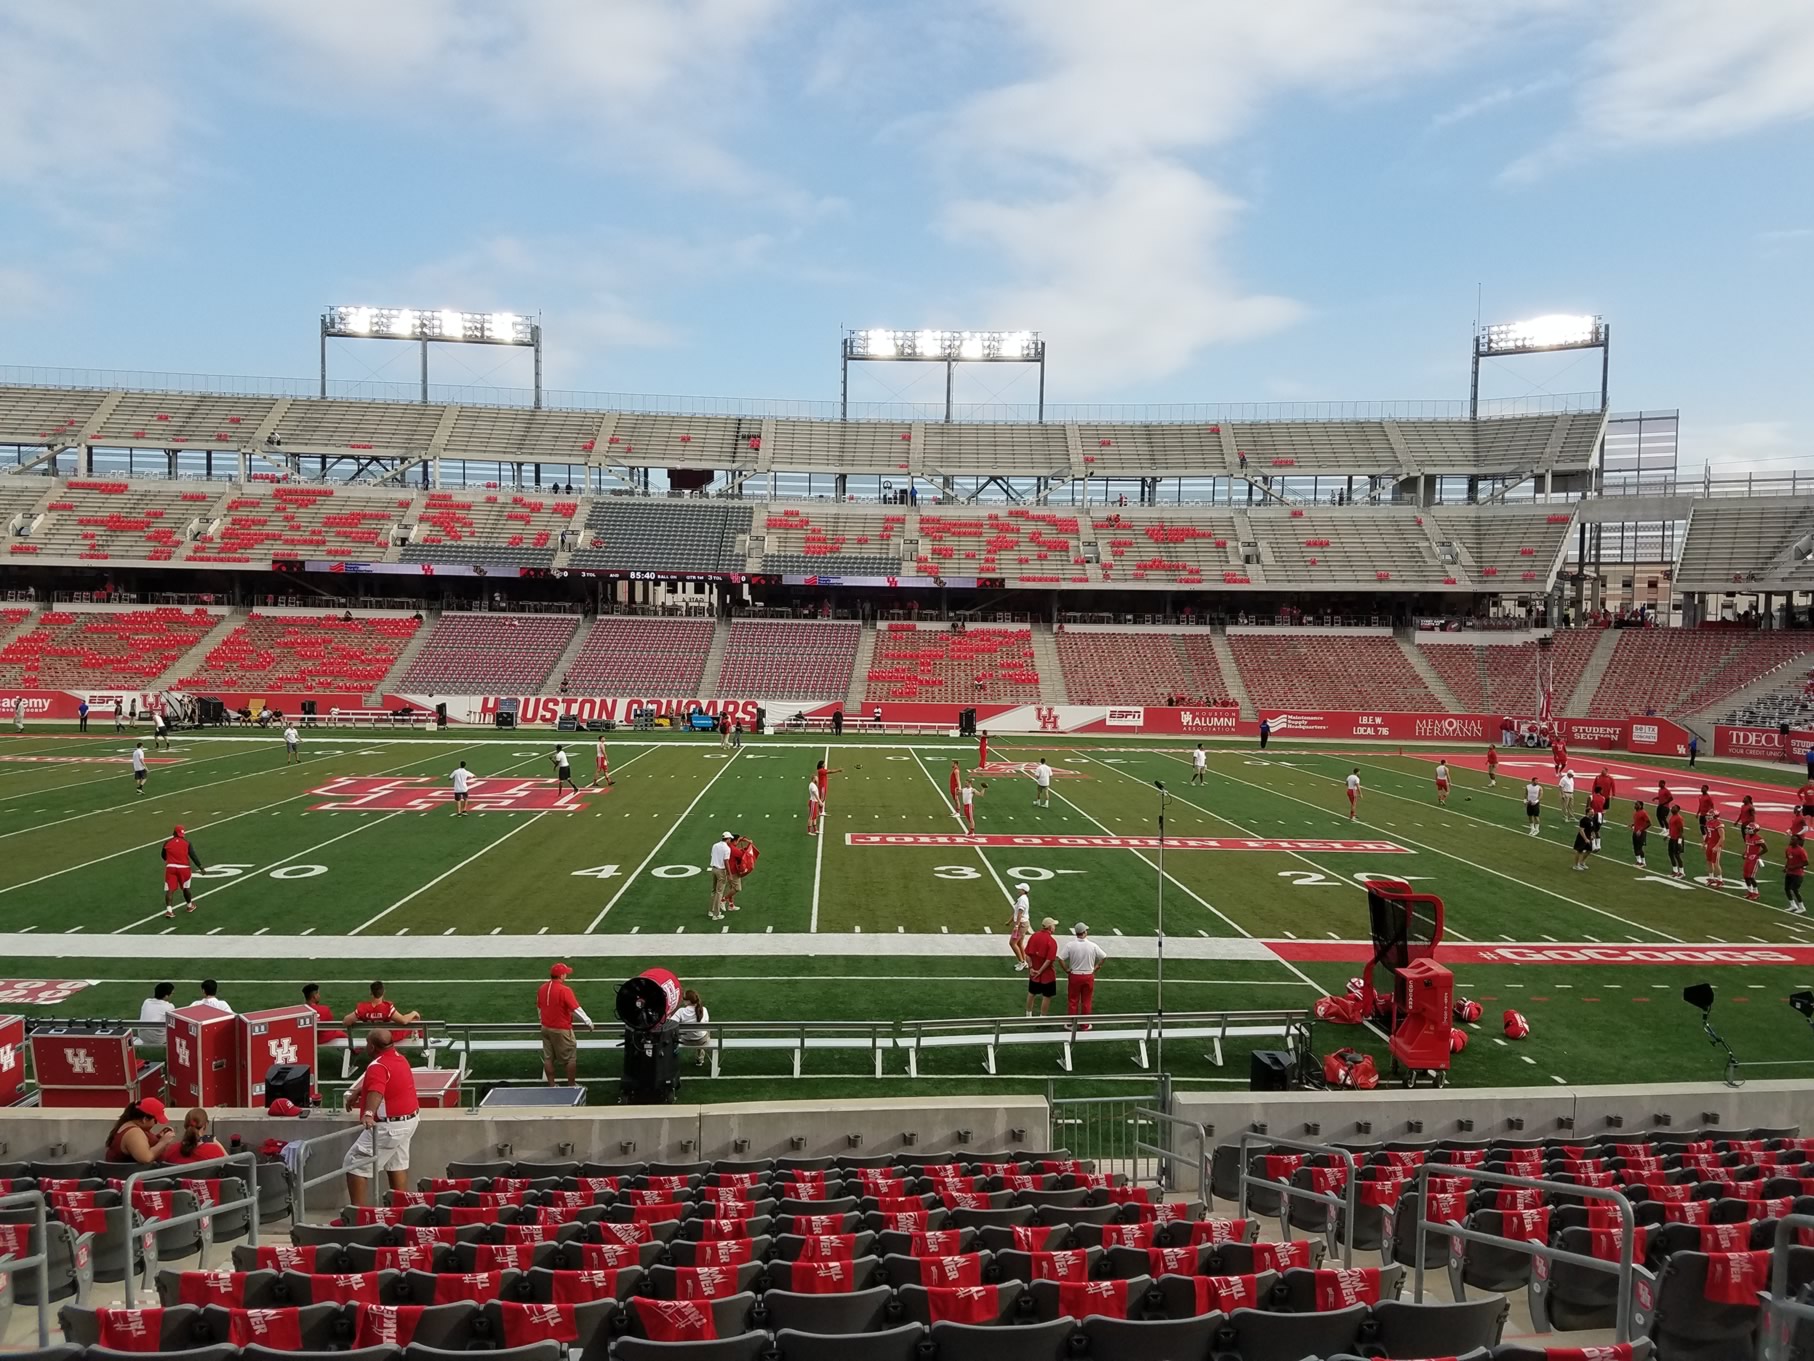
{"x":714,"y":660}
{"x":394,"y":677}
{"x":191,"y":660}
{"x":1592,"y":674}
{"x":1231,"y":674}
{"x":1045,"y":658}
{"x":859,"y":675}
{"x":1415,"y":659}
{"x":564,"y":663}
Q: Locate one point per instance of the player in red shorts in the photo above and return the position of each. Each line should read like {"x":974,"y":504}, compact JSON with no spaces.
{"x":982,"y":750}
{"x":180,"y":861}
{"x":815,"y":806}
{"x":1442,"y":779}
{"x":1713,"y":845}
{"x":1492,"y":767}
{"x":1754,"y":856}
{"x":603,"y":775}
{"x":967,"y":803}
{"x":1558,"y":752}
{"x":957,"y":783}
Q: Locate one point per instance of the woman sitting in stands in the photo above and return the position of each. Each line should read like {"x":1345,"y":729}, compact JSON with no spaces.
{"x":197,"y":1144}
{"x":692,"y":1012}
{"x":142,"y":1134}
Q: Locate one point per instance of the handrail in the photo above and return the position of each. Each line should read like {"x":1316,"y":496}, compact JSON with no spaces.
{"x":40,"y":1259}
{"x":1779,"y":1308}
{"x":1348,"y":1202}
{"x":1167,"y":1156}
{"x":301,"y":1182}
{"x":204,"y":1215}
{"x":1627,"y":1222}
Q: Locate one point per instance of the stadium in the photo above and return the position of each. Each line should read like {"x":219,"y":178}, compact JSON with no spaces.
{"x":963,"y":869}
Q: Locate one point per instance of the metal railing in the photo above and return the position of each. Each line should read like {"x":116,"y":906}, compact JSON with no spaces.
{"x":203,"y":1215}
{"x":1107,"y":1130}
{"x":1166,"y":1156}
{"x":40,"y":1260}
{"x":1781,"y":1309}
{"x":1625,"y":1266}
{"x":1342,"y":1209}
{"x":301,"y":1183}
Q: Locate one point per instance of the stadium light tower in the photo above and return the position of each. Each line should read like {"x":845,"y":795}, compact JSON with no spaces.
{"x":949,"y":348}
{"x":432,"y":324}
{"x":1540,"y":335}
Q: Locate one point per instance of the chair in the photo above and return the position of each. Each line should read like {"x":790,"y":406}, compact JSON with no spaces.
{"x":859,"y":1273}
{"x":71,"y":1272}
{"x":451,"y":1287}
{"x":745,"y":1347}
{"x":540,"y":1171}
{"x":1435,"y":1328}
{"x":542,"y":1286}
{"x":54,"y":1352}
{"x":890,"y":1243}
{"x":696,"y":1169}
{"x":903,"y":1271}
{"x":757,"y":1165}
{"x":534,"y":1351}
{"x":1026,"y":1342}
{"x":664,"y":1282}
{"x":689,"y":1252}
{"x":488,"y":1169}
{"x":1179,"y":1293}
{"x":862,"y":1311}
{"x":1689,"y":1326}
{"x":178,"y":1327}
{"x":340,"y":1235}
{"x":790,"y":1246}
{"x":260,"y":1353}
{"x":731,"y":1316}
{"x":894,"y":1344}
{"x":916,"y":1305}
{"x":1260,"y":1336}
{"x":1174,"y":1339}
{"x":982,"y":1219}
{"x":377,"y":1287}
{"x":1019,"y":1266}
{"x":998,"y":1238}
{"x":1133,"y":1297}
{"x":1579,"y":1297}
{"x":1516,"y":1351}
{"x":252,"y":1289}
{"x":1298,"y":1288}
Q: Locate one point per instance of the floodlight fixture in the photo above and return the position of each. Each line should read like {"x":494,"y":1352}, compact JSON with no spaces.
{"x":1542,"y":335}
{"x":949,"y":348}
{"x":425,"y":324}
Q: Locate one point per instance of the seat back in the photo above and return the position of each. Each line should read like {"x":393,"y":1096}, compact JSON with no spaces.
{"x":1117,"y":1339}
{"x":745,"y":1347}
{"x":862,"y":1311}
{"x":1260,"y":1336}
{"x":1025,"y":1342}
{"x":1439,"y":1328}
{"x":894,"y":1344}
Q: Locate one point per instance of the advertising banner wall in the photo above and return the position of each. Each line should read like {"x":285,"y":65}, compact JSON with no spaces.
{"x":1761,"y":744}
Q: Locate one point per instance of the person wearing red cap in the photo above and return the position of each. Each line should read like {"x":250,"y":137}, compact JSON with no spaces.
{"x":180,"y":862}
{"x":556,"y":1006}
{"x":142,"y":1134}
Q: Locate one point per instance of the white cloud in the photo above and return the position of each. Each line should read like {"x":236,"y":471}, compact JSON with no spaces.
{"x":1114,"y":243}
{"x":1494,"y":99}
{"x":1679,"y":72}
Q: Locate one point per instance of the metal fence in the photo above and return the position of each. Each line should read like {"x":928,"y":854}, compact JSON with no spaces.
{"x":204,"y":1215}
{"x":1118,"y":1133}
{"x":38,"y":1261}
{"x":1342,"y":1208}
{"x":319,"y":1151}
{"x":1782,"y":1311}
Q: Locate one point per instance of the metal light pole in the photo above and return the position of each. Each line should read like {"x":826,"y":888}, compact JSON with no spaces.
{"x":1159,"y":927}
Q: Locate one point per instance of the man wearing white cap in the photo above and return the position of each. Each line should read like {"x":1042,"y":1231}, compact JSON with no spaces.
{"x":721,"y":875}
{"x":1020,"y":926}
{"x":1081,"y":957}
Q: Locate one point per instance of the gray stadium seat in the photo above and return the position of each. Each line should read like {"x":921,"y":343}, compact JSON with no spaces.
{"x":863,"y":1311}
{"x":1025,"y":1342}
{"x":1436,"y":1328}
{"x":894,"y":1344}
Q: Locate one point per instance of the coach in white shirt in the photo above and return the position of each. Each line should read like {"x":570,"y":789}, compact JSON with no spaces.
{"x":721,"y":874}
{"x":1081,"y":957}
{"x":1042,"y":784}
{"x":154,"y":1017}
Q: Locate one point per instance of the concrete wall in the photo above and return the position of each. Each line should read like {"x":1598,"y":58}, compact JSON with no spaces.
{"x":617,"y":1133}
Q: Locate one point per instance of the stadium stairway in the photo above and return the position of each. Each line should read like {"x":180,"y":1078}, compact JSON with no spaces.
{"x":866,"y":654}
{"x":1232,"y":684}
{"x":1415,"y":659}
{"x":575,"y":645}
{"x":1051,"y":675}
{"x":714,"y":660}
{"x":191,"y":661}
{"x":394,"y":677}
{"x":1591,"y":675}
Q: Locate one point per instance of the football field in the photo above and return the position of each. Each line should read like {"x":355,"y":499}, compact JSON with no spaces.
{"x":350,"y":866}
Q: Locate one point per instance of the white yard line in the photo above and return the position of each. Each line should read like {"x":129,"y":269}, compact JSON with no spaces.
{"x":49,"y":790}
{"x":958,"y":818}
{"x":819,"y":851}
{"x":489,"y":846}
{"x":649,"y":858}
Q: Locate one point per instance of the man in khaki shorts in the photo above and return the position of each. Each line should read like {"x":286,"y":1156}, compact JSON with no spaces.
{"x":721,"y":875}
{"x":557,"y":1007}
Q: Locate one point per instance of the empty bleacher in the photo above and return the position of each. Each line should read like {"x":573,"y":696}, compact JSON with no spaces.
{"x":490,"y":434}
{"x":303,"y":652}
{"x":482,"y":653}
{"x":625,"y":534}
{"x":1791,"y":702}
{"x":483,"y":526}
{"x":35,"y":416}
{"x":331,"y":426}
{"x":1383,"y":548}
{"x":914,"y":663}
{"x":626,"y":655}
{"x":830,"y":539}
{"x":98,"y":519}
{"x":1182,"y":450}
{"x":1513,"y":548}
{"x":1683,"y":671}
{"x":1033,"y":546}
{"x":1300,"y":448}
{"x":880,"y":448}
{"x":1188,"y":546}
{"x":789,"y":658}
{"x":174,"y":420}
{"x":1502,"y":677}
{"x":96,"y":648}
{"x":1343,"y":669}
{"x":1730,"y":543}
{"x":1016,"y":450}
{"x":260,"y":521}
{"x":1103,"y":666}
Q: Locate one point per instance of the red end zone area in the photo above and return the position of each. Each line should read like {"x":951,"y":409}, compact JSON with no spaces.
{"x":1633,"y":780}
{"x":1451,"y":953}
{"x":1116,"y":843}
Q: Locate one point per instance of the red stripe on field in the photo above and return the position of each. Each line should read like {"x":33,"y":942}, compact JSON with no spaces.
{"x":1115,"y":843}
{"x":1360,"y":951}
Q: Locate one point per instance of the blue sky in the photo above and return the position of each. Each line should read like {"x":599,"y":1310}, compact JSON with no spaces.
{"x":1192,"y":201}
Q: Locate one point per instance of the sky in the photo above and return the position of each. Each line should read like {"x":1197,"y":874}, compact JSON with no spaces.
{"x":1192,"y":201}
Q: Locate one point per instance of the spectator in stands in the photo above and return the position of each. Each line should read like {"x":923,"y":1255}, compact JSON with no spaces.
{"x":380,"y":1010}
{"x":211,"y":997}
{"x":385,"y":1097}
{"x":142,"y":1134}
{"x":692,"y":1012}
{"x":326,"y":1031}
{"x":154,"y":1017}
{"x":196,"y":1145}
{"x":556,"y":1008}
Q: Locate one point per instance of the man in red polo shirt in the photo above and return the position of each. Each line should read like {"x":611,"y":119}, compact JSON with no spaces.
{"x":556,"y":1006}
{"x":385,"y":1097}
{"x":1042,"y":976}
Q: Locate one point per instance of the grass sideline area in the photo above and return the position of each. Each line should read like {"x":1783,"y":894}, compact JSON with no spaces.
{"x":349,"y":866}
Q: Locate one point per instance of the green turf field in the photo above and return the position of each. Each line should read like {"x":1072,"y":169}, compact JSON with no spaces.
{"x":350,"y":866}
